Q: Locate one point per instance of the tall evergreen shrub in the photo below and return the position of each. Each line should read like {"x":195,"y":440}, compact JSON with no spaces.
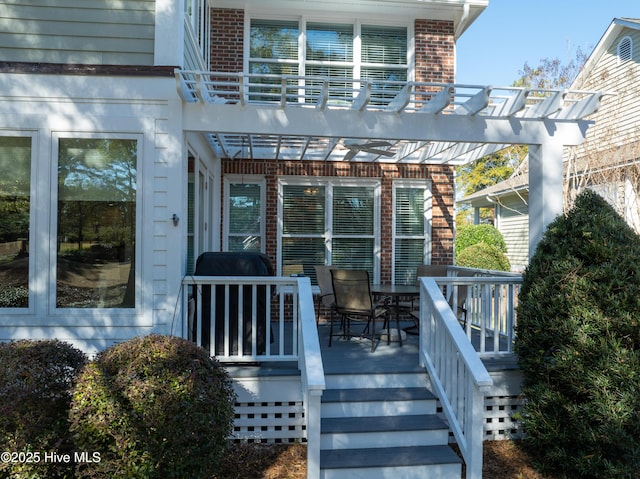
{"x":578,"y":341}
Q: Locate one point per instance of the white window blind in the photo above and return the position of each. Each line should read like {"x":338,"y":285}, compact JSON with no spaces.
{"x":330,"y":52}
{"x":410,"y":232}
{"x":328,"y":223}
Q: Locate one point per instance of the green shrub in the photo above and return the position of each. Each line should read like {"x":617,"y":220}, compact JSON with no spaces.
{"x":468,"y":235}
{"x":483,"y":256}
{"x":36,"y":382}
{"x":578,"y":342}
{"x":153,"y":407}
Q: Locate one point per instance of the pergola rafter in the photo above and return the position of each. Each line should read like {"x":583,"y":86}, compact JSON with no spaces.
{"x":271,"y":117}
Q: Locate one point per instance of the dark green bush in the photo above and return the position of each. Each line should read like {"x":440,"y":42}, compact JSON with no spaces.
{"x":153,"y":407}
{"x":483,"y":256}
{"x":578,"y":342}
{"x":36,"y":382}
{"x":468,"y":235}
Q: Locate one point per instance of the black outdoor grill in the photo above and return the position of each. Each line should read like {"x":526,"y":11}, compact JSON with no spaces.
{"x":233,"y":264}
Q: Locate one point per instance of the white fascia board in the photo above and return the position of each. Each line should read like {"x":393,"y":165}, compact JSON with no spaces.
{"x":427,"y":9}
{"x":256,"y":119}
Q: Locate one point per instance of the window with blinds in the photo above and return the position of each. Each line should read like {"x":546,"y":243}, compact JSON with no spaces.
{"x":330,"y":52}
{"x":411,"y":235}
{"x":244,"y":212}
{"x":328,"y":223}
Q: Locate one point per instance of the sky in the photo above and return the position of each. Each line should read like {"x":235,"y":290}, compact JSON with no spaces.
{"x":510,"y":33}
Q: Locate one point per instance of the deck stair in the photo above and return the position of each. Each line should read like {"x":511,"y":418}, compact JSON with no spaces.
{"x":383,"y":425}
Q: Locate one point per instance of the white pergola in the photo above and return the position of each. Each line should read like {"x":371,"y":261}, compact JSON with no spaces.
{"x":310,"y":118}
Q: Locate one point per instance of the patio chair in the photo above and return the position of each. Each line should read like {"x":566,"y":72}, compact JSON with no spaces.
{"x":326,"y":298}
{"x":353,"y":300}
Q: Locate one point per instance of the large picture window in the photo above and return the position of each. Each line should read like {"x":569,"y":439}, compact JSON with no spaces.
{"x":96,"y":223}
{"x":15,"y":201}
{"x":329,"y":222}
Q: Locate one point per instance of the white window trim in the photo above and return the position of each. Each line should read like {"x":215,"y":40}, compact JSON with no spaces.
{"x":356,"y":22}
{"x":428,"y":216}
{"x":331,"y":182}
{"x":35,"y":195}
{"x":98,"y":317}
{"x":250,"y":179}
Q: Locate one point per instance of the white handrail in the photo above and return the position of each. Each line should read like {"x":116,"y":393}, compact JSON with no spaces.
{"x":457,"y":374}
{"x":312,"y":374}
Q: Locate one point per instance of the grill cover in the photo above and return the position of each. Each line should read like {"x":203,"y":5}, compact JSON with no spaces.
{"x":233,"y":264}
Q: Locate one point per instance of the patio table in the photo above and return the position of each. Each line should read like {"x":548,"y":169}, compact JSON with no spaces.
{"x":395,"y":292}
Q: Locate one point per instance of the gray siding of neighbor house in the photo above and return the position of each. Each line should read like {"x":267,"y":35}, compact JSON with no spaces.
{"x":513,"y":223}
{"x":99,"y":32}
{"x":616,"y":120}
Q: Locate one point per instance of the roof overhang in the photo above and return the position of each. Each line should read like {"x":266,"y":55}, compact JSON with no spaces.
{"x":461,"y":12}
{"x":305,"y":118}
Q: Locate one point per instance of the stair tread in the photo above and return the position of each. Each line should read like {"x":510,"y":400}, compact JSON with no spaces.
{"x":376,"y":394}
{"x":388,"y":457}
{"x":343,"y":425}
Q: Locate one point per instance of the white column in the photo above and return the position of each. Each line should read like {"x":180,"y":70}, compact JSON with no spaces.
{"x":545,"y":189}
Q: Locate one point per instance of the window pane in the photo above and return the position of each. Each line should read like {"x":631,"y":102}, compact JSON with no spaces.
{"x":273,"y":39}
{"x":302,"y":253}
{"x":328,"y":42}
{"x":409,"y":253}
{"x":15,"y":185}
{"x":303,"y":209}
{"x":386,"y":45}
{"x":244,"y":209}
{"x":409,"y":211}
{"x":244,"y":243}
{"x":353,"y":210}
{"x":353,"y":253}
{"x":96,"y":223}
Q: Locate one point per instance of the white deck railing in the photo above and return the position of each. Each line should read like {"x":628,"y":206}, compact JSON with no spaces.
{"x":456,"y":372}
{"x":274,"y":321}
{"x":487,"y":306}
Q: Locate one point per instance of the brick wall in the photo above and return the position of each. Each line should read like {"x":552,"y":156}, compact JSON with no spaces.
{"x":434,"y":51}
{"x":435,"y":62}
{"x":442,"y":190}
{"x":227,"y":40}
{"x":434,"y":46}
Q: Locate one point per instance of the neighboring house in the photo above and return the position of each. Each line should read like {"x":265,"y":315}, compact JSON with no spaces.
{"x":607,"y":162}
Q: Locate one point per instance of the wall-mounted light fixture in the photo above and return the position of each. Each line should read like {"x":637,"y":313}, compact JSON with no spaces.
{"x":175,"y":219}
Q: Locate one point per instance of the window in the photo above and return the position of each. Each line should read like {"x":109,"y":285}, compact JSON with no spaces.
{"x":412,"y":211}
{"x":340,"y":51}
{"x":625,"y":49}
{"x":96,"y":223}
{"x":15,"y":203}
{"x":329,"y":222}
{"x":244,"y":213}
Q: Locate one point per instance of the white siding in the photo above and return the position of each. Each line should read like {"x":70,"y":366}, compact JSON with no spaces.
{"x":617,"y":118}
{"x":513,"y":223}
{"x":103,"y":32}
